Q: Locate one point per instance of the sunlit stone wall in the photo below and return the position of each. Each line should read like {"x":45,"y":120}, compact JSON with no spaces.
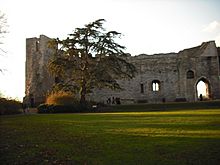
{"x":175,"y":75}
{"x":38,"y":80}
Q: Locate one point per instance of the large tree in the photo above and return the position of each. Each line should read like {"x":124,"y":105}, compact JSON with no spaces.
{"x":88,"y":58}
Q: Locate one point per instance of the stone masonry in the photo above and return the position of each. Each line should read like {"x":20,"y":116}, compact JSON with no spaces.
{"x":38,"y":81}
{"x":160,"y":77}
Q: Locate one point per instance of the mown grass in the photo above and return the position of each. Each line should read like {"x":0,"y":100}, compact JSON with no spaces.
{"x":167,"y":137}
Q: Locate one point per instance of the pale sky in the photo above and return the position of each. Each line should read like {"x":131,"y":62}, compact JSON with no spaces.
{"x":148,"y":26}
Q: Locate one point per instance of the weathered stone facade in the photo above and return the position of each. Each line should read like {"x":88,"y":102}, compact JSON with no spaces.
{"x":160,"y":77}
{"x":38,"y":81}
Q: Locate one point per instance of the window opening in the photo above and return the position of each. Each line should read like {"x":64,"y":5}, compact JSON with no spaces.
{"x":190,"y":74}
{"x":142,"y":88}
{"x":37,"y":45}
{"x":155,"y":85}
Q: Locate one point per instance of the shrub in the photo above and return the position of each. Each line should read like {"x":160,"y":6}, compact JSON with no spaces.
{"x":42,"y":108}
{"x":74,"y":108}
{"x":61,"y":98}
{"x":9,"y":106}
{"x":63,"y":102}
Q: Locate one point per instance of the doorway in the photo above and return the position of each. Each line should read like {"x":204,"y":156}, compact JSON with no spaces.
{"x":203,"y":89}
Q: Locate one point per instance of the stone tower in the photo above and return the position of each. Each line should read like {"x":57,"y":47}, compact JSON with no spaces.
{"x":38,"y":81}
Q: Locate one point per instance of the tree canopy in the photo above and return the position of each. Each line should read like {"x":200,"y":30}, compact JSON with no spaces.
{"x":88,"y":58}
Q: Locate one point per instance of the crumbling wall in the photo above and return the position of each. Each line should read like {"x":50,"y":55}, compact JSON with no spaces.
{"x":203,"y":61}
{"x":38,"y":80}
{"x":170,"y":71}
{"x":176,"y":75}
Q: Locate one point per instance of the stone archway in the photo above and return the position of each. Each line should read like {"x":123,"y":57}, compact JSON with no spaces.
{"x":203,"y":89}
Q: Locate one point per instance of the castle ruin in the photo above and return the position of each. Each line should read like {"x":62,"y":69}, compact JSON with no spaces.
{"x":160,"y":77}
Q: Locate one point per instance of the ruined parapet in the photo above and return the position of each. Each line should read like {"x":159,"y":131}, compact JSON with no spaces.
{"x":38,"y":80}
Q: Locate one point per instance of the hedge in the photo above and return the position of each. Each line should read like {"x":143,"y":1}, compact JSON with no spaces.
{"x":74,"y":108}
{"x":9,"y":106}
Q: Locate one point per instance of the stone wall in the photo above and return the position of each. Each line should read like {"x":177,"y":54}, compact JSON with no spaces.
{"x":166,"y":72}
{"x":38,"y":80}
{"x":170,"y":71}
{"x":203,"y":61}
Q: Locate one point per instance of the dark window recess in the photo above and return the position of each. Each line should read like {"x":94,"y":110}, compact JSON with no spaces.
{"x":190,"y":74}
{"x":209,"y":58}
{"x":37,"y":45}
{"x":142,"y":88}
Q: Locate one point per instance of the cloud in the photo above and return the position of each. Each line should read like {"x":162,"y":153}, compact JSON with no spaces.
{"x":217,"y":40}
{"x":212,"y":32}
{"x":212,"y":27}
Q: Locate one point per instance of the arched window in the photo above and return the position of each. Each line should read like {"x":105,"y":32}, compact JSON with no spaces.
{"x":190,"y":74}
{"x":155,"y":85}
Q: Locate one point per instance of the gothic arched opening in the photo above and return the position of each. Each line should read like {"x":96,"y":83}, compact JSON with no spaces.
{"x":203,"y":89}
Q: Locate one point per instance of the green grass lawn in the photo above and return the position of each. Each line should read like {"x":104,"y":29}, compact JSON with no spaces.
{"x":182,"y":137}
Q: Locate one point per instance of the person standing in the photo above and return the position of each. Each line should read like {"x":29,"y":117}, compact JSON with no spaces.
{"x":200,"y":97}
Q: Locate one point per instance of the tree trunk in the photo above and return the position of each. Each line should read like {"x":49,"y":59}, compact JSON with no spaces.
{"x":83,"y":93}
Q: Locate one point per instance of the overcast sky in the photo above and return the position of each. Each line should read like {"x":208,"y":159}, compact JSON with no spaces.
{"x":148,"y":26}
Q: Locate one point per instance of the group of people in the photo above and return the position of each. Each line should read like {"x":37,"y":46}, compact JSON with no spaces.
{"x":113,"y":100}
